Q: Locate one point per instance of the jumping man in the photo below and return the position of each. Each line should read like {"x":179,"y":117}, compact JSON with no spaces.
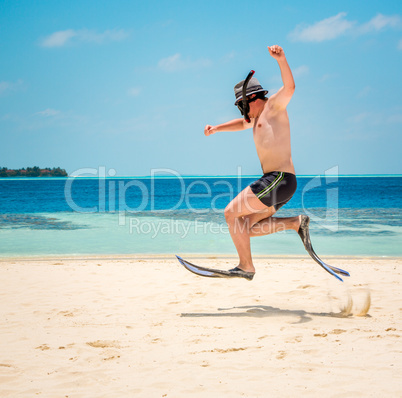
{"x":250,"y":213}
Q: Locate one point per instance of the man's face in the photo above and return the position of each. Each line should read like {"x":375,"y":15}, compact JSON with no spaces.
{"x":250,"y":99}
{"x":252,"y":103}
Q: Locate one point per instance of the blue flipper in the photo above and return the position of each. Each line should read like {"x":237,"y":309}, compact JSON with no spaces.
{"x":215,"y":273}
{"x":305,"y":237}
{"x":327,"y":267}
{"x":337,"y":270}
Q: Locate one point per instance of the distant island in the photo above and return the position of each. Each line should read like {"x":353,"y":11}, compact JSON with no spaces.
{"x":33,"y":172}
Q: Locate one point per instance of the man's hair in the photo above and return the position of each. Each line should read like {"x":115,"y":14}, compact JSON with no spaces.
{"x":261,"y":95}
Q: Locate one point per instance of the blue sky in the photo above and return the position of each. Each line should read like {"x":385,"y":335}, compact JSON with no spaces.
{"x":130,"y":85}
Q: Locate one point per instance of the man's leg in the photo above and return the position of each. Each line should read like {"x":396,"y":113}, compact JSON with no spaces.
{"x":245,"y":203}
{"x":270,"y":225}
{"x":247,"y":216}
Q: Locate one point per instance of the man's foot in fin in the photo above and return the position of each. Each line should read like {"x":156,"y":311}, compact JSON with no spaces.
{"x":304,"y":232}
{"x":242,"y":274}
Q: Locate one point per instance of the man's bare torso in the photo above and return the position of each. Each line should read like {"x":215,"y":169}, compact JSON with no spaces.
{"x":271,"y":133}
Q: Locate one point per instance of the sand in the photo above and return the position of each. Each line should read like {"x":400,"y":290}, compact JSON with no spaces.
{"x":146,"y":327}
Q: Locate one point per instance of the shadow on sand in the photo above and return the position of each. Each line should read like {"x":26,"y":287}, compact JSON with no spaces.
{"x":261,"y":311}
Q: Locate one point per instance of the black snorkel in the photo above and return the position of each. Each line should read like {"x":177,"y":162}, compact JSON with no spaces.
{"x":246,"y":107}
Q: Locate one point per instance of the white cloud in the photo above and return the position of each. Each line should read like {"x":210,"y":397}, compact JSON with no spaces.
{"x":4,"y":86}
{"x":300,"y":71}
{"x":229,"y":57}
{"x":10,"y":86}
{"x":176,"y":63}
{"x":327,"y":29}
{"x":64,"y":37}
{"x":134,"y":91}
{"x":48,"y":112}
{"x":58,"y":39}
{"x":172,"y":63}
{"x":367,"y":118}
{"x":400,"y":45}
{"x":379,"y":22}
{"x":395,"y":119}
{"x":328,"y":76}
{"x":359,"y":117}
{"x":364,"y":92}
{"x":106,"y":36}
{"x":338,"y":25}
{"x":389,"y":116}
{"x":5,"y":117}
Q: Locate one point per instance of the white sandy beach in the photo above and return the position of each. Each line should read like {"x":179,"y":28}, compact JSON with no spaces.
{"x":146,"y":327}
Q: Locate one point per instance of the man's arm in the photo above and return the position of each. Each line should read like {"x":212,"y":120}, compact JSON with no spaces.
{"x":233,"y":125}
{"x":283,"y":96}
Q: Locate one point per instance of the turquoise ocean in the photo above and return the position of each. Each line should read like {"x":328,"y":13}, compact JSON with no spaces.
{"x":351,"y":216}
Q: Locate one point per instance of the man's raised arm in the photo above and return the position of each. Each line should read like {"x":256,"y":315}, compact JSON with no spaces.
{"x":283,"y":96}
{"x":233,"y":125}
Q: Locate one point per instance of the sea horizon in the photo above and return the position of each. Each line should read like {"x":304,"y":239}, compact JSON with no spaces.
{"x":198,"y":175}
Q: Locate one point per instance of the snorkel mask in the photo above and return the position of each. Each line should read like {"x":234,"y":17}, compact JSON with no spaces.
{"x":245,"y":107}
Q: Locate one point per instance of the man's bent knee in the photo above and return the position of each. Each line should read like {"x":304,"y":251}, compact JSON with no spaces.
{"x":229,"y":213}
